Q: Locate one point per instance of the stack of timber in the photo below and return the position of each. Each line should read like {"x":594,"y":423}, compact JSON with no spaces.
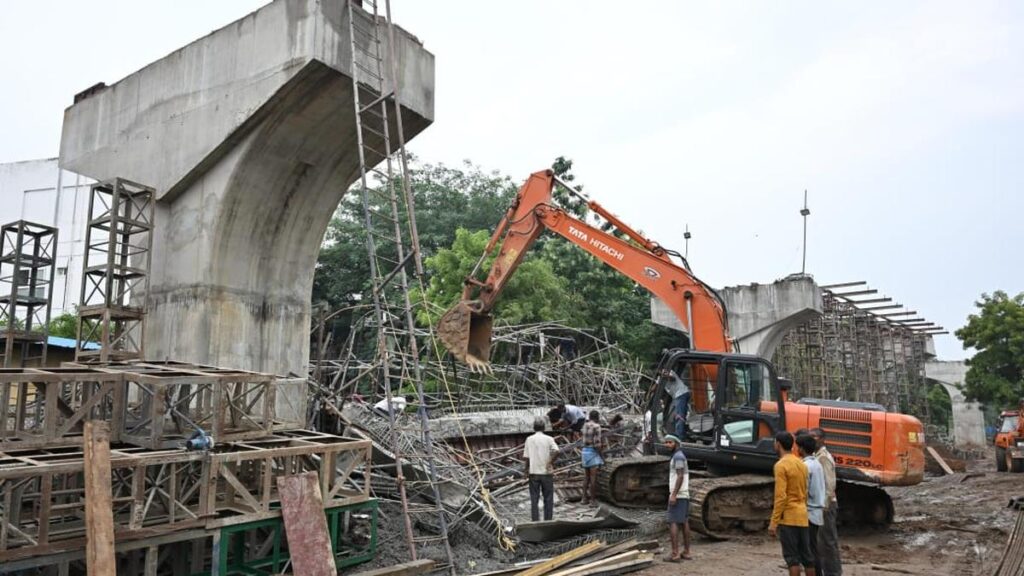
{"x":591,"y":559}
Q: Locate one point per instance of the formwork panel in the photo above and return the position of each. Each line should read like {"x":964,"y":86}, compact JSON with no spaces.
{"x":164,"y":408}
{"x":155,"y":493}
{"x":49,"y":407}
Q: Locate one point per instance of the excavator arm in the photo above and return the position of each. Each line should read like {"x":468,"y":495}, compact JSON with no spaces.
{"x":466,"y":328}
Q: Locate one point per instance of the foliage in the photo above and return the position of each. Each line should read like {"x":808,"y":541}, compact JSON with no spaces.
{"x":446,"y":199}
{"x":64,"y":326}
{"x":533,"y":294}
{"x":996,"y":332}
{"x":19,"y":324}
{"x":940,"y":406}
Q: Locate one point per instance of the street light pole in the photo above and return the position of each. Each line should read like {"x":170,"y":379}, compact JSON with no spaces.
{"x":805,"y":212}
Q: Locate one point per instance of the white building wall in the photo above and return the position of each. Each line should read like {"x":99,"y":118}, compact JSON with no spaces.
{"x":28,"y":192}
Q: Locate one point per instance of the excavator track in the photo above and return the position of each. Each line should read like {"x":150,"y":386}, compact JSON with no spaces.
{"x":730,"y":504}
{"x":725,"y":505}
{"x":863,"y":505}
{"x":638,"y":482}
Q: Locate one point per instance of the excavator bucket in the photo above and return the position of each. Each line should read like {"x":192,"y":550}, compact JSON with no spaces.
{"x":466,"y":333}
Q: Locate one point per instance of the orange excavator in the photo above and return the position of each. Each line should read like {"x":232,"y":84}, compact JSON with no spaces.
{"x":738,"y":402}
{"x":1009,"y":440}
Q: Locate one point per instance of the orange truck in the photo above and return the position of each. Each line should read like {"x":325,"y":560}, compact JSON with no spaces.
{"x":1009,"y":441}
{"x":738,"y":401}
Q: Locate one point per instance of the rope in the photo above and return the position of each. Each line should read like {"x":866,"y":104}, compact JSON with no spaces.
{"x":504,"y":542}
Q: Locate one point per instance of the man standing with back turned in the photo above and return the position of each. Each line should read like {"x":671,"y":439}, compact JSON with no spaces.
{"x":539,"y":452}
{"x":789,"y":514}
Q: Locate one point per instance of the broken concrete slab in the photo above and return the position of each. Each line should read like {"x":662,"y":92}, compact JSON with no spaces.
{"x":548,"y":530}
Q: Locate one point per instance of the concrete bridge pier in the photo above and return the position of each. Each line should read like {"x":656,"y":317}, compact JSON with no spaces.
{"x":968,"y":420}
{"x":248,"y":137}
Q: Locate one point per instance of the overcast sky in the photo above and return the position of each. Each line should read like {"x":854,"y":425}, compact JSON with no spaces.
{"x":903,"y":120}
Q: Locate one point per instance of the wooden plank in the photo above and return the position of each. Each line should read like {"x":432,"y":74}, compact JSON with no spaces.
{"x":617,"y":559}
{"x":99,"y":511}
{"x":619,"y":568}
{"x":405,"y":569}
{"x":624,"y":546}
{"x":512,"y":569}
{"x":305,"y":524}
{"x":942,"y":463}
{"x":152,"y":560}
{"x":562,"y":559}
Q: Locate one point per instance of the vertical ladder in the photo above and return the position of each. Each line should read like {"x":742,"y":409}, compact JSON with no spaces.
{"x":392,"y":245}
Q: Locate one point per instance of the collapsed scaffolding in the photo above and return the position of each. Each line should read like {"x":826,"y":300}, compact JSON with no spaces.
{"x":479,"y":420}
{"x":537,"y":364}
{"x":860,"y":349}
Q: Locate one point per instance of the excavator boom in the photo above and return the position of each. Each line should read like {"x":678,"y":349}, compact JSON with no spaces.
{"x":466,"y":328}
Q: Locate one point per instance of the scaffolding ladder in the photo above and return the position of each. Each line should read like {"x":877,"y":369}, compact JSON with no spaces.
{"x":393,"y":246}
{"x":28,"y":254}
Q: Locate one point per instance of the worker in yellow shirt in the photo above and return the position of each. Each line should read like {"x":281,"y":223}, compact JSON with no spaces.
{"x":789,"y":514}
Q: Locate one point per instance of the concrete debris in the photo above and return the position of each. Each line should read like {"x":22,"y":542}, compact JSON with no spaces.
{"x":548,"y":530}
{"x":404,"y":569}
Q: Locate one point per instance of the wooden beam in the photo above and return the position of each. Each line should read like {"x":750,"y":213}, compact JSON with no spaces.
{"x":620,"y":567}
{"x":152,"y":560}
{"x":603,"y":563}
{"x":562,"y":559}
{"x":305,"y":524}
{"x":616,"y":549}
{"x":99,"y":511}
{"x":405,"y":569}
{"x":942,"y":463}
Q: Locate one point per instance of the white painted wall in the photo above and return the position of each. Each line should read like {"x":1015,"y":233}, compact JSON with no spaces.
{"x":28,"y":192}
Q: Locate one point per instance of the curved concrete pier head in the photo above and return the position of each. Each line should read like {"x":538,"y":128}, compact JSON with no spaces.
{"x":761,"y":314}
{"x":248,"y":137}
{"x":968,"y":420}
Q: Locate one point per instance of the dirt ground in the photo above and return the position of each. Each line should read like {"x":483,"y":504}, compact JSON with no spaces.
{"x":946,"y":525}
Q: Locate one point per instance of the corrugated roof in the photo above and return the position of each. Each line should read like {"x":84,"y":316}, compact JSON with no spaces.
{"x":59,"y":342}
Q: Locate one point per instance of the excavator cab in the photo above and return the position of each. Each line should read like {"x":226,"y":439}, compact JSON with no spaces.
{"x":736,"y":405}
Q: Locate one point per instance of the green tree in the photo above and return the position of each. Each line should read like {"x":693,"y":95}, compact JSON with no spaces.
{"x":940,"y":406}
{"x":996,"y":371}
{"x":65,"y":325}
{"x":446,"y":199}
{"x":533,"y":294}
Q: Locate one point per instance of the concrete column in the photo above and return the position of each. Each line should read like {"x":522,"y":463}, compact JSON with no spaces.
{"x":968,"y":420}
{"x":248,"y":136}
